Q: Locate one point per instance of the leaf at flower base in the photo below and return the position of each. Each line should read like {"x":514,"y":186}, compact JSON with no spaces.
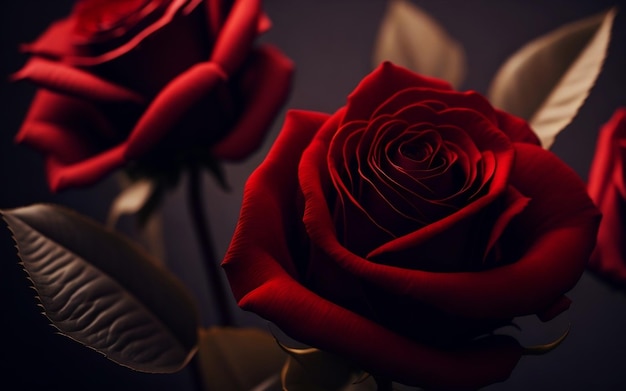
{"x":101,"y":290}
{"x":239,"y":359}
{"x":311,"y":369}
{"x":411,"y":38}
{"x":142,"y":198}
{"x":131,"y":200}
{"x":547,"y":80}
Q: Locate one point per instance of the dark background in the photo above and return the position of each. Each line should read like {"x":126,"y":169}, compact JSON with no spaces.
{"x":330,"y":43}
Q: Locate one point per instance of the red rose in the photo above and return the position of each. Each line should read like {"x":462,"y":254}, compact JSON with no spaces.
{"x":607,"y":187}
{"x":407,"y":224}
{"x":153,"y":82}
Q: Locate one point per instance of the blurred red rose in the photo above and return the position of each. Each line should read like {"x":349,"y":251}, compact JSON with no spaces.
{"x":399,"y":230}
{"x":153,"y":82}
{"x":607,"y":187}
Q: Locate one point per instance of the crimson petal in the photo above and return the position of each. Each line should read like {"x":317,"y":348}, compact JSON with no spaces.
{"x":72,"y":81}
{"x":269,"y":77}
{"x":385,"y":81}
{"x":171,"y":105}
{"x":561,"y":223}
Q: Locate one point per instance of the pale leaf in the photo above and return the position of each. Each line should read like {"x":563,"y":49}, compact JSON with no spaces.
{"x":311,"y":369}
{"x":131,"y":199}
{"x":411,"y":38}
{"x":101,"y":290}
{"x":141,"y":198}
{"x":239,"y":359}
{"x":547,"y":81}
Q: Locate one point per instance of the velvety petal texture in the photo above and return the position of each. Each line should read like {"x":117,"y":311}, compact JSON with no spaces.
{"x":151,"y":85}
{"x":402,"y":230}
{"x":607,"y":188}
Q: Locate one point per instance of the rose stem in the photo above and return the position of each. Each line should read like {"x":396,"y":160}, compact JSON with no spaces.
{"x":206,"y":246}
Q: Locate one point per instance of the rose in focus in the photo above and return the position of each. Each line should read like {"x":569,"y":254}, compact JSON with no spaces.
{"x":607,"y":188}
{"x":401,"y":230}
{"x":151,"y":84}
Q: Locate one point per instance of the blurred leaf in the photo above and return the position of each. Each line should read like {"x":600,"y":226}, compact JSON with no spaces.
{"x":141,"y":198}
{"x":410,"y":37}
{"x":311,"y":369}
{"x":547,"y":80}
{"x":131,"y":199}
{"x":239,"y":359}
{"x":101,"y":290}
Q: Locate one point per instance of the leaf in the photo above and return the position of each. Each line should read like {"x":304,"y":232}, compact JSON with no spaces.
{"x":131,"y":200}
{"x":411,"y":38}
{"x":239,"y":359}
{"x":101,"y":290}
{"x":311,"y":369}
{"x":142,"y":198}
{"x":547,"y":80}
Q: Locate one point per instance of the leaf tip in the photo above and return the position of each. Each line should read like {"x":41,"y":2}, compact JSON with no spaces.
{"x":538,"y":350}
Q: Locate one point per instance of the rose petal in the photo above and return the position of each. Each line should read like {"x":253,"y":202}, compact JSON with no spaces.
{"x":270,"y":184}
{"x":384,"y":81}
{"x":607,"y":156}
{"x":85,"y":172}
{"x":606,"y":185}
{"x":214,"y":16}
{"x":268,"y":86}
{"x":172,"y":11}
{"x":65,"y":128}
{"x":487,"y":137}
{"x":237,"y":34}
{"x":516,"y":128}
{"x":561,"y":223}
{"x":55,"y":42}
{"x":259,"y":265}
{"x":72,"y":81}
{"x":445,"y":99}
{"x":170,"y":106}
{"x":320,"y":323}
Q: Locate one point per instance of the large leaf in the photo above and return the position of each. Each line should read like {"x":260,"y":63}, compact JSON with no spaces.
{"x":239,"y":359}
{"x":410,"y":37}
{"x":547,"y":80}
{"x":101,"y":290}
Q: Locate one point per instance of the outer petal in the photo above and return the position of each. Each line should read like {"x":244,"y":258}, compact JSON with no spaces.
{"x":55,"y":42}
{"x":317,"y":322}
{"x":171,"y":105}
{"x":382,"y":83}
{"x":75,"y":82}
{"x":237,"y":35}
{"x":607,"y":187}
{"x":64,"y":128}
{"x":85,"y":172}
{"x":172,"y":11}
{"x":260,"y":269}
{"x":277,"y":176}
{"x":268,"y":86}
{"x":516,"y":128}
{"x":561,"y":223}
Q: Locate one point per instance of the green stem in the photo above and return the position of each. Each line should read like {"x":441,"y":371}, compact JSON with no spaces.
{"x":216,"y":282}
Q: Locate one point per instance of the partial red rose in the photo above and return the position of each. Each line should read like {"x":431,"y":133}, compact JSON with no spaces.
{"x":151,"y":83}
{"x":607,"y":188}
{"x":403,"y":229}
